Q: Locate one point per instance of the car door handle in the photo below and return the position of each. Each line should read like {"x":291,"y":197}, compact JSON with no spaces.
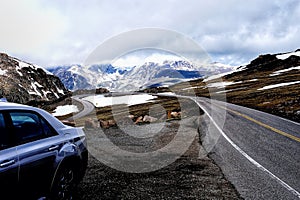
{"x":52,"y":148}
{"x":7,"y":163}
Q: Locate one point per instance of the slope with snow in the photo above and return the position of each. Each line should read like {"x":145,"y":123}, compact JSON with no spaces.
{"x":23,"y":82}
{"x":269,"y":83}
{"x":287,"y":55}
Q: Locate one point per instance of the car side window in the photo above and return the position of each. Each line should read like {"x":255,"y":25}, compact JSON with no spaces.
{"x":29,"y":127}
{"x":4,"y":137}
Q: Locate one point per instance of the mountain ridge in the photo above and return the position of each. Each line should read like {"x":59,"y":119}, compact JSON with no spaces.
{"x":123,"y":79}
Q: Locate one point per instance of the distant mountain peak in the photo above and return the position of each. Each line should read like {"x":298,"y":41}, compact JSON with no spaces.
{"x":115,"y":78}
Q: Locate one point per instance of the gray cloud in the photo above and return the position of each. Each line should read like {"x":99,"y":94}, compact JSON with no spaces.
{"x":231,"y":31}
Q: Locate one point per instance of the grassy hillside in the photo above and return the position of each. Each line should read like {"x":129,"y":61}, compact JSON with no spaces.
{"x":267,"y":84}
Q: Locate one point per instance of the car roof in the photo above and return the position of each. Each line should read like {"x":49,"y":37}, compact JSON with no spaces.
{"x":8,"y":105}
{"x":50,"y":118}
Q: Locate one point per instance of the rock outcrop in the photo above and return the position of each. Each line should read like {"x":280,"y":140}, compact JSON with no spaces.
{"x":26,"y":83}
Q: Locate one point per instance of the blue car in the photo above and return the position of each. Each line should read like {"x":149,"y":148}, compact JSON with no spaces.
{"x":40,"y":157}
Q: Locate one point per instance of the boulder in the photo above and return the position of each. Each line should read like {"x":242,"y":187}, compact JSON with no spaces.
{"x":107,"y":123}
{"x":90,"y":123}
{"x":150,"y":119}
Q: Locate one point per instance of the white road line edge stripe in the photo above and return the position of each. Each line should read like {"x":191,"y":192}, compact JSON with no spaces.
{"x":289,"y":188}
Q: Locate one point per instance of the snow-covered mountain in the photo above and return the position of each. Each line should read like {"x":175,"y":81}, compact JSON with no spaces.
{"x":22,"y":82}
{"x":149,"y":74}
{"x":76,"y":77}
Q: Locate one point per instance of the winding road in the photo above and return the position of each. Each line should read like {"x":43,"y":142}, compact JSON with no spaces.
{"x":88,"y":107}
{"x":258,"y":153}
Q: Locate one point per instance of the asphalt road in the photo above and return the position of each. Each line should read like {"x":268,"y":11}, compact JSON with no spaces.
{"x":88,"y":107}
{"x":258,"y":152}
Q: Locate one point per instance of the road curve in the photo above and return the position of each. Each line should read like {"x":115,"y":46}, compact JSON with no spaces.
{"x":88,"y":107}
{"x":258,"y":152}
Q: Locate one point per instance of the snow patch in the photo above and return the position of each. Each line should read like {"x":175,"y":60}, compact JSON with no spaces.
{"x":286,"y":55}
{"x":189,"y":88}
{"x":17,"y":69}
{"x":65,"y":110}
{"x":222,"y":84}
{"x":59,"y":90}
{"x":278,"y":85}
{"x":252,"y":80}
{"x":284,"y":70}
{"x":45,"y":93}
{"x":37,"y":84}
{"x":217,"y":76}
{"x":223,"y":91}
{"x":34,"y":87}
{"x":55,"y":95}
{"x":102,"y":101}
{"x":232,"y":90}
{"x":23,"y":64}
{"x":167,"y":93}
{"x":3,"y":72}
{"x":74,"y":69}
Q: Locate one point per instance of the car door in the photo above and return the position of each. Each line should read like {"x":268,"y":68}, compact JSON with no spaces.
{"x":8,"y":162}
{"x":37,"y":150}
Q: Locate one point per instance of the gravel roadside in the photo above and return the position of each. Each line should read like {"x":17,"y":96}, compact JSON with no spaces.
{"x":189,"y":177}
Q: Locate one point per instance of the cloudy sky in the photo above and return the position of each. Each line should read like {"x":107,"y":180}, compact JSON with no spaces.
{"x":59,"y":32}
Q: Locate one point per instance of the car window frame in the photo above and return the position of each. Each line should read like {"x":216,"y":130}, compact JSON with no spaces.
{"x":10,"y":135}
{"x":11,"y":127}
